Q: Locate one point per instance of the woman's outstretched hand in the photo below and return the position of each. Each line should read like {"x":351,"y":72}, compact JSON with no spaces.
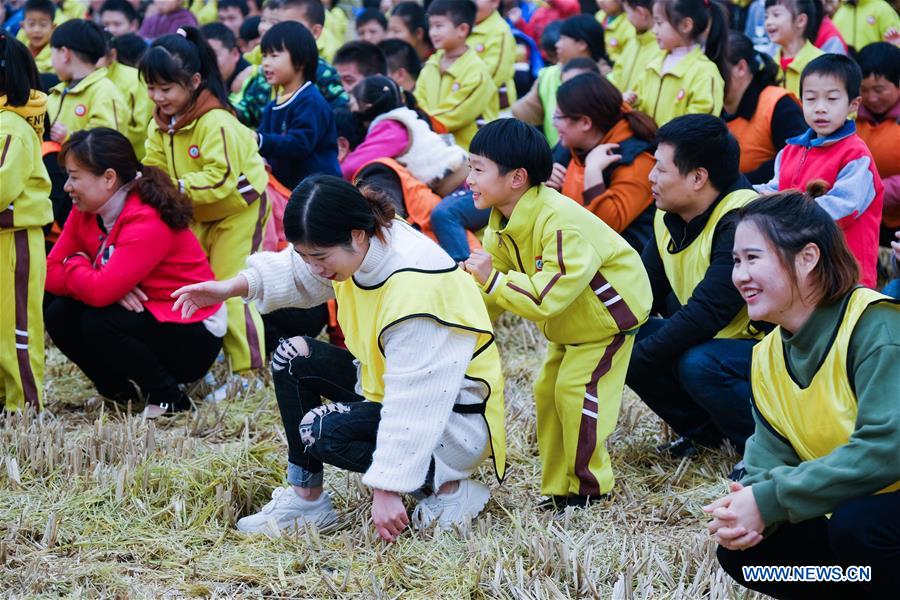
{"x":190,"y":298}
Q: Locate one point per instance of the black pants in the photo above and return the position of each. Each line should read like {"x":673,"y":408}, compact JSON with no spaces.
{"x":862,"y":532}
{"x":290,"y":322}
{"x":113,"y":345}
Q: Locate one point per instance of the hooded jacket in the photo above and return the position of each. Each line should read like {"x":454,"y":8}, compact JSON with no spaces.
{"x":210,"y":155}
{"x":25,"y":192}
{"x":95,"y":101}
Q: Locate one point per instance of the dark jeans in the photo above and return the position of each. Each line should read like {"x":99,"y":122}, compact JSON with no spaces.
{"x":289,"y":322}
{"x":452,"y":217}
{"x":112,"y":345}
{"x":704,"y":394}
{"x":861,"y":532}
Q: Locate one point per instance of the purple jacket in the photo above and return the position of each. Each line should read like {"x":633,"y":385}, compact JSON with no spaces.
{"x":159,"y":25}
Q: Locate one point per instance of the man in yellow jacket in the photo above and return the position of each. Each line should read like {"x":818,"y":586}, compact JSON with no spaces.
{"x":551,"y":261}
{"x":495,"y":45}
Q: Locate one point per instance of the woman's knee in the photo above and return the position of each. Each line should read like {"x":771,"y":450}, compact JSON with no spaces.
{"x":290,"y":358}
{"x":319,"y":429}
{"x":854,"y":535}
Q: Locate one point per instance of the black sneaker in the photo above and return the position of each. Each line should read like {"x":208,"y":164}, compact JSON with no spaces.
{"x":679,"y":448}
{"x":579,"y":501}
{"x":553,"y":503}
{"x":738,"y":472}
{"x":167,"y":409}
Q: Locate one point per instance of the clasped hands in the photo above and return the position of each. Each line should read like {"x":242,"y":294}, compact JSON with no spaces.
{"x":736,"y":524}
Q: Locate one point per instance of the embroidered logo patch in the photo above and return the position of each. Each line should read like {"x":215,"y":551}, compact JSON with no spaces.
{"x":539,"y":263}
{"x":613,"y":42}
{"x":680,"y":95}
{"x":479,"y":48}
{"x":194,"y":151}
{"x":80,"y":110}
{"x":455,"y":87}
{"x":870,"y":19}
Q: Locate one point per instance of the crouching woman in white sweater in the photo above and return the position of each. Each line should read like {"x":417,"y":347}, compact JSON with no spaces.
{"x":416,"y":402}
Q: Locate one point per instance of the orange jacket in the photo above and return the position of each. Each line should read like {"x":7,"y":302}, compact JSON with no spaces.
{"x":882,"y":138}
{"x":755,"y":135}
{"x":627,"y":191}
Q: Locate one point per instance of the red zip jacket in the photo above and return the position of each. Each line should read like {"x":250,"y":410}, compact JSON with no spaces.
{"x":141,"y":250}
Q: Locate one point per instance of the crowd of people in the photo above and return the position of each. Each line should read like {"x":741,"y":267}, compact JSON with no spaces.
{"x":687,"y":197}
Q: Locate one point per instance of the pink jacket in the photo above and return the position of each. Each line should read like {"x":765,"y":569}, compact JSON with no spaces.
{"x":386,"y":139}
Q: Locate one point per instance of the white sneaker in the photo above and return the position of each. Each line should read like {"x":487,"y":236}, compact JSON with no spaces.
{"x":451,"y":509}
{"x":287,"y":510}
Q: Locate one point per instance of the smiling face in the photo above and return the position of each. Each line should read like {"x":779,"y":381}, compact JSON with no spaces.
{"x":574,"y":132}
{"x":759,"y":275}
{"x":89,"y":192}
{"x":278,"y":68}
{"x":444,"y":34}
{"x":172,"y":98}
{"x":825,"y":103}
{"x":782,"y":26}
{"x":879,"y":95}
{"x":490,"y":189}
{"x":38,"y":28}
{"x":568,"y":48}
{"x":337,"y":263}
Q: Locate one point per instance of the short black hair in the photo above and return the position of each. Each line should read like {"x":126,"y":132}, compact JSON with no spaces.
{"x":129,"y":48}
{"x":513,"y":144}
{"x":120,"y":6}
{"x":249,"y":30}
{"x":42,"y":6}
{"x":349,"y":127}
{"x":581,"y":63}
{"x":838,"y":66}
{"x":550,"y":36}
{"x":371,"y":14}
{"x":880,"y":59}
{"x":413,"y":16}
{"x":241,"y":5}
{"x":313,"y":9}
{"x":585,"y":28}
{"x":460,"y":12}
{"x":367,"y":57}
{"x":703,"y":141}
{"x":219,"y":31}
{"x":84,"y":38}
{"x":298,"y":41}
{"x":400,"y":54}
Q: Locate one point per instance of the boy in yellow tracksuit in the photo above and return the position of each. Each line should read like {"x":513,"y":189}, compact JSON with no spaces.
{"x":24,"y":209}
{"x":215,"y":161}
{"x":549,"y":260}
{"x":137,"y":101}
{"x":455,"y":87}
{"x":495,"y":45}
{"x":40,"y":19}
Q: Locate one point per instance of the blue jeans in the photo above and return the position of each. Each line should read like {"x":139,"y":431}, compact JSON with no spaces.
{"x":704,"y":394}
{"x":452,"y":217}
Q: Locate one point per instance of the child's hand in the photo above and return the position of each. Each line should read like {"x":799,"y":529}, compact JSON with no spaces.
{"x":479,"y":264}
{"x":134,"y":300}
{"x":892,"y":35}
{"x":896,"y":246}
{"x":388,"y":514}
{"x":601,"y":157}
{"x":59,"y":132}
{"x":557,"y":177}
{"x":630,"y":97}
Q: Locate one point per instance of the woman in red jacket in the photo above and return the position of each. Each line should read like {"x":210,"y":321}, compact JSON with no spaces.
{"x":124,"y":249}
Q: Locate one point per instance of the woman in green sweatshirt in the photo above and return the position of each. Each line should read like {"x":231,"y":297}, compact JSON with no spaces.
{"x":823,"y":465}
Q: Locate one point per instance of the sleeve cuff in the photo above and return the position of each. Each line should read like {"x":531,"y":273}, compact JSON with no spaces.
{"x":591,"y":193}
{"x":493,"y":282}
{"x":252,"y":283}
{"x":770,"y":510}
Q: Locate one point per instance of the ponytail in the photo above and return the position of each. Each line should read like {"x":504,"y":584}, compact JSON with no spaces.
{"x":764,"y":69}
{"x":18,"y":73}
{"x":593,"y":96}
{"x":177,"y":57}
{"x":709,"y":17}
{"x":324,"y":210}
{"x":376,"y":95}
{"x":103,"y":148}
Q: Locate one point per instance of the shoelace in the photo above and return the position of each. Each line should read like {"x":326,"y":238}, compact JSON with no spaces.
{"x":276,"y":496}
{"x":423,"y":516}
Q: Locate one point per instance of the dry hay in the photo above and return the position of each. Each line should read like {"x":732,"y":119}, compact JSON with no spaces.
{"x":96,"y":502}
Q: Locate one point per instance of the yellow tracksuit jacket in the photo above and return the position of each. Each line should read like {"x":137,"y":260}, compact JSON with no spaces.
{"x":140,"y":107}
{"x":637,"y":53}
{"x":460,"y":96}
{"x":693,"y":86}
{"x":24,"y":209}
{"x":495,"y":45}
{"x":790,"y":79}
{"x":95,"y":101}
{"x":557,"y":264}
{"x":867,"y":22}
{"x":206,"y":11}
{"x":616,"y":33}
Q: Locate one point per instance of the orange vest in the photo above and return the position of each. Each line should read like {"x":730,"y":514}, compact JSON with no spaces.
{"x":883,"y":140}
{"x":573,"y":184}
{"x":418,"y":198}
{"x":755,"y":135}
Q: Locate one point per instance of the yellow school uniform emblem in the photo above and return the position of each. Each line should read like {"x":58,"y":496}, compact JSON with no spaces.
{"x":194,"y":151}
{"x":455,"y":87}
{"x":680,"y":95}
{"x":613,"y":42}
{"x":479,"y":48}
{"x":80,"y":110}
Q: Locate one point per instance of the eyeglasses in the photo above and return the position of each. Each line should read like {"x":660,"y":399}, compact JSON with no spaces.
{"x":558,"y":117}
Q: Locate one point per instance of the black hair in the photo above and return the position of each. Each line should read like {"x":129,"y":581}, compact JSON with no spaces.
{"x":367,"y":57}
{"x":413,"y":16}
{"x":841,"y":67}
{"x":585,"y":28}
{"x":764,"y":69}
{"x":371,"y":14}
{"x":582,"y":63}
{"x":648,"y":4}
{"x":880,"y":59}
{"x":120,"y":6}
{"x":249,"y":30}
{"x":593,"y":96}
{"x":376,"y":95}
{"x":175,"y":58}
{"x":218,"y":31}
{"x":813,"y":10}
{"x":513,"y":144}
{"x":790,"y":220}
{"x":324,"y":210}
{"x":84,"y":38}
{"x":709,"y":17}
{"x":550,"y":36}
{"x":297,"y":41}
{"x":703,"y":141}
{"x":400,"y":54}
{"x":18,"y":73}
{"x":371,"y":3}
{"x":129,"y":48}
{"x":313,"y":9}
{"x":349,"y":127}
{"x":241,"y":5}
{"x":460,"y":12}
{"x":46,"y":7}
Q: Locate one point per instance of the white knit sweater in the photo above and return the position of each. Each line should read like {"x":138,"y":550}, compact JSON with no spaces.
{"x":425,"y":364}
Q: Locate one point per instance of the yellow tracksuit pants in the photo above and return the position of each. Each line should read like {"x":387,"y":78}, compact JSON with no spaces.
{"x":23,"y":271}
{"x":577,"y":396}
{"x":228,"y":242}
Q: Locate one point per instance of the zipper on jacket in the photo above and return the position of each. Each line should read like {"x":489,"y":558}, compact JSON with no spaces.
{"x":803,"y":158}
{"x":172,"y":151}
{"x":662,"y":81}
{"x":518,"y":256}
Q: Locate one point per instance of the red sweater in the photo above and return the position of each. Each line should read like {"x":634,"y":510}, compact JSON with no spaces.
{"x":140,"y":250}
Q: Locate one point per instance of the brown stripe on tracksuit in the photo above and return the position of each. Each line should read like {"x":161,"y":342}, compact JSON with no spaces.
{"x":22,"y":274}
{"x":256,"y":361}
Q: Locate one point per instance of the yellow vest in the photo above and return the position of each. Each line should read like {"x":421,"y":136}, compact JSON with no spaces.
{"x":450,"y":298}
{"x":821,"y":417}
{"x":686,"y":269}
